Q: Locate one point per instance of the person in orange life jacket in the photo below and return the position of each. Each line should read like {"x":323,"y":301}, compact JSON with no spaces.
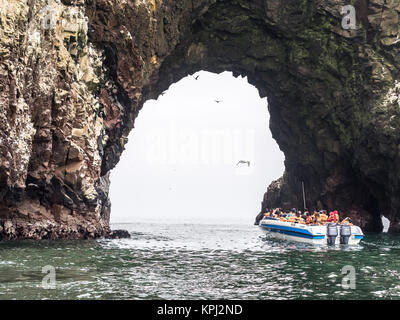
{"x":347,"y":221}
{"x":323,"y":216}
{"x":317,"y":219}
{"x":299,"y":215}
{"x":291,"y":217}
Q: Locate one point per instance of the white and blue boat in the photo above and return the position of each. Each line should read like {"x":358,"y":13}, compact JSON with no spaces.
{"x":328,"y":234}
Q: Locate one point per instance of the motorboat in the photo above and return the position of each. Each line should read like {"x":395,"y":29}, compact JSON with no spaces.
{"x":331,"y":233}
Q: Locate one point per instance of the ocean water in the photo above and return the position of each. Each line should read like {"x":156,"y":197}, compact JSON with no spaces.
{"x":199,"y":261}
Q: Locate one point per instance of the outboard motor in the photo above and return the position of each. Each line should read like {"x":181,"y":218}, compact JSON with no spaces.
{"x":345,"y":233}
{"x":331,"y":233}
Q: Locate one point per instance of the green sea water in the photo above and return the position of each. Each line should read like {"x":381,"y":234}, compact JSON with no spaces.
{"x":198,"y":261}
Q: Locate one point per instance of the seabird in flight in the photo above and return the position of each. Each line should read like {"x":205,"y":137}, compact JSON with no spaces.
{"x":244,"y":162}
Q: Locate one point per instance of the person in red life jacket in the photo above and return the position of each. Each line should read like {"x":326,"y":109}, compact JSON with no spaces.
{"x":336,"y":216}
{"x":333,"y":217}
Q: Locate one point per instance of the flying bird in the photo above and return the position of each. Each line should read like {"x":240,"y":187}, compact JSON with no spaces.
{"x":218,"y":101}
{"x":163,"y":93}
{"x":197,"y":78}
{"x":244,"y":162}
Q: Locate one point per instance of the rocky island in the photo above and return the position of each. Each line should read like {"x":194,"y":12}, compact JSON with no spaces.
{"x":75,"y":73}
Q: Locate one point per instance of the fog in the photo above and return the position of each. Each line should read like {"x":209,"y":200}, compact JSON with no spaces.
{"x":181,"y":163}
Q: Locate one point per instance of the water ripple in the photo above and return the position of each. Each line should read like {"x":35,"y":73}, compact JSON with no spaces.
{"x":199,"y":262}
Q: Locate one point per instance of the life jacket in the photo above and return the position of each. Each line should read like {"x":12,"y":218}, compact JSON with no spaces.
{"x":323,"y":217}
{"x":333,"y":217}
{"x":297,"y":219}
{"x":336,"y":216}
{"x":291,"y":219}
{"x":282,"y":219}
{"x":268,"y":214}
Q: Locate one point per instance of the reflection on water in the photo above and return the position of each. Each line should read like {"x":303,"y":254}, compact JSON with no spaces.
{"x":199,"y":262}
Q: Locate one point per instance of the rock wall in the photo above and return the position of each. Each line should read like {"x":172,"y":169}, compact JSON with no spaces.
{"x":74,"y":75}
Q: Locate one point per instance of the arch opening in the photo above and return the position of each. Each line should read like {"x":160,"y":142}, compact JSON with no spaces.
{"x":183,"y":159}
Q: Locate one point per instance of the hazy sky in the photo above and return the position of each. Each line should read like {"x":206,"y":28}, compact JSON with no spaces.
{"x":181,"y":160}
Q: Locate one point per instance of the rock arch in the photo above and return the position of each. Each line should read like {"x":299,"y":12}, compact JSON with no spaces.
{"x":71,"y":91}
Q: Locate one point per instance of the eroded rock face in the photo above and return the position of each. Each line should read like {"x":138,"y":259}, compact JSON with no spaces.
{"x":74,"y":75}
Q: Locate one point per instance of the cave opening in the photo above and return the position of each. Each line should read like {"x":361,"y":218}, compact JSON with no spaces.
{"x":186,"y":159}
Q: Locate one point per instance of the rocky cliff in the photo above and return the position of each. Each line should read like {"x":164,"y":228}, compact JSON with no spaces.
{"x":75,"y":73}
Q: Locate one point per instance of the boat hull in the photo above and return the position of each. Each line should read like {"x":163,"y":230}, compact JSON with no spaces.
{"x":310,"y":234}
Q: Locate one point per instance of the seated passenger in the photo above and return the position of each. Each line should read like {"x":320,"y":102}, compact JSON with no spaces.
{"x":317,"y":219}
{"x":313,"y":217}
{"x":336,"y":216}
{"x":286,"y":215}
{"x":323,"y":217}
{"x":347,"y":221}
{"x":333,"y":217}
{"x":297,"y":218}
{"x":274,"y":214}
